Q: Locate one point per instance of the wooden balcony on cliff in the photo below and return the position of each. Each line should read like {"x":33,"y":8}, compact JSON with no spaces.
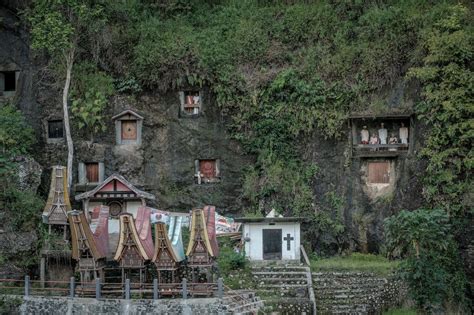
{"x":374,"y":150}
{"x":398,"y":134}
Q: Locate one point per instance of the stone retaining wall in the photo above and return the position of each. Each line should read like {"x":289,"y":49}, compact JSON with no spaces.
{"x":356,"y":292}
{"x":65,"y":306}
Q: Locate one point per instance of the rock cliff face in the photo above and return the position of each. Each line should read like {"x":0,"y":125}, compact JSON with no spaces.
{"x":164,"y":163}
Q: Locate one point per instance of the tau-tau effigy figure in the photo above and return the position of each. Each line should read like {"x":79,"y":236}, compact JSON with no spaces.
{"x":383,"y":134}
{"x":374,"y":139}
{"x":364,"y":135}
{"x":393,"y":139}
{"x":403,"y":134}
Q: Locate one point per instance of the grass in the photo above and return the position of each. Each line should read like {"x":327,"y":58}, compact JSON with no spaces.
{"x":355,"y":262}
{"x":400,"y":311}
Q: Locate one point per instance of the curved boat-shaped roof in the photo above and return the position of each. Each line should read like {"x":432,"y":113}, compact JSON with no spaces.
{"x":88,"y":239}
{"x":210,"y":215}
{"x":202,"y":245}
{"x":143,"y":226}
{"x":164,"y":258}
{"x":58,"y":204}
{"x":175,"y":236}
{"x":129,"y":240}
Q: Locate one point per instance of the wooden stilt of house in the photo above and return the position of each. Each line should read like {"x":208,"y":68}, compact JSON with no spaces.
{"x":90,"y":243}
{"x":135,"y":246}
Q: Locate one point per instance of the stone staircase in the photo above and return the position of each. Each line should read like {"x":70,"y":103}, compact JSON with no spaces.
{"x":353,"y":292}
{"x":242,"y":302}
{"x":285,"y":289}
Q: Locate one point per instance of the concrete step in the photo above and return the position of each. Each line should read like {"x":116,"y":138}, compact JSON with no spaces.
{"x":280,"y":269}
{"x":341,"y":290}
{"x":252,"y":306}
{"x":283,"y":286}
{"x":283,"y":274}
{"x":327,"y":282}
{"x":283,"y":281}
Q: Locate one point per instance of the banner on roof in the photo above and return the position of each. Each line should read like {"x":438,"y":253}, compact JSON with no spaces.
{"x":226,"y":225}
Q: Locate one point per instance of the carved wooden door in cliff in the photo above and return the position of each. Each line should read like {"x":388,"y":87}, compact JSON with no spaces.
{"x":129,"y":129}
{"x":92,"y":172}
{"x":272,"y":244}
{"x":379,"y":172}
{"x":207,"y":168}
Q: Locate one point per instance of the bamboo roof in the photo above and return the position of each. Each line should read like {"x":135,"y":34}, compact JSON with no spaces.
{"x":129,"y":238}
{"x":86,"y":242}
{"x":58,"y":204}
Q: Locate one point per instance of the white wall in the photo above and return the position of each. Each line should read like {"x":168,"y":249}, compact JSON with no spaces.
{"x":254,"y":231}
{"x":132,"y":207}
{"x":114,"y":226}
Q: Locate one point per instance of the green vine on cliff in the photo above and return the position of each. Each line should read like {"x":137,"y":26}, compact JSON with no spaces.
{"x":448,"y":80}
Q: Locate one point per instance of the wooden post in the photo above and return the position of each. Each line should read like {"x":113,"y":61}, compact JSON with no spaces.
{"x":185,"y":288}
{"x":72,"y":287}
{"x":127,"y":289}
{"x":220,"y":288}
{"x":155,"y":289}
{"x":97,"y":288}
{"x":42,"y":271}
{"x":27,"y":285}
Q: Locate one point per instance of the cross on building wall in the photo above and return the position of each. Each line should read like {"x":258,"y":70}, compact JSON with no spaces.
{"x":288,"y":240}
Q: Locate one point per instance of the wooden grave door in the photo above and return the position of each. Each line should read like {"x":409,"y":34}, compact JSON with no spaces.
{"x":379,"y":172}
{"x":207,"y":168}
{"x":92,"y":171}
{"x":129,"y":129}
{"x":272,"y":244}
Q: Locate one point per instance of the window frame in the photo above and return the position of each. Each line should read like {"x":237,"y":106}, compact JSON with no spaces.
{"x":51,"y":121}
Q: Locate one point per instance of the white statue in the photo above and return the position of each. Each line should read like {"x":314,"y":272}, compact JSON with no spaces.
{"x":403,"y":134}
{"x":393,"y":139}
{"x":364,"y":135}
{"x":374,"y":139}
{"x":382,"y":134}
{"x":196,"y":98}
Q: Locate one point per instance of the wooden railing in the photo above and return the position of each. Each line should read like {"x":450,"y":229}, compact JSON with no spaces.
{"x":98,"y":289}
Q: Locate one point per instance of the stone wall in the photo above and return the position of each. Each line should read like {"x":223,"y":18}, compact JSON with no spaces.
{"x":61,"y":306}
{"x":356,"y":292}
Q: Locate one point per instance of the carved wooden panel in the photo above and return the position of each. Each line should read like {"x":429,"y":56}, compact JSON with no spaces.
{"x":129,"y":129}
{"x":92,"y":172}
{"x":379,"y":172}
{"x":207,"y":168}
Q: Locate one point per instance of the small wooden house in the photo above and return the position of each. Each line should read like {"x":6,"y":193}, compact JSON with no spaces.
{"x":135,"y":245}
{"x":90,"y":242}
{"x":203,"y":248}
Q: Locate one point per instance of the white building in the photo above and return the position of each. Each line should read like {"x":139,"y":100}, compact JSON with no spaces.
{"x":272,"y":238}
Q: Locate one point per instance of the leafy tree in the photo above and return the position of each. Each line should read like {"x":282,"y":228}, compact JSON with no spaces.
{"x":447,"y":78}
{"x":432,"y":268}
{"x":90,"y":94}
{"x":16,"y":137}
{"x":60,"y":27}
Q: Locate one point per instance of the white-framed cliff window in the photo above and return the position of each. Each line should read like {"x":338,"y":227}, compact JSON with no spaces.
{"x":191,"y":102}
{"x":91,"y":172}
{"x":207,"y":171}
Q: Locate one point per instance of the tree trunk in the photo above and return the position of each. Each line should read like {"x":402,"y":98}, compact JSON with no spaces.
{"x":70,"y":146}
